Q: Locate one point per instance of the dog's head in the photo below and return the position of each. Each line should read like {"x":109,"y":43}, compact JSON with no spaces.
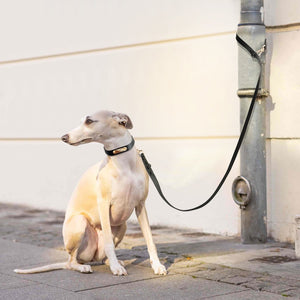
{"x":98,"y":127}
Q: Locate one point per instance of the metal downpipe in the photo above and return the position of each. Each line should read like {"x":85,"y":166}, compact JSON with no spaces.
{"x":253,"y":151}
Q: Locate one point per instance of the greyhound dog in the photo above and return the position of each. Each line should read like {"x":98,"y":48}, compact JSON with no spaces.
{"x":105,"y":197}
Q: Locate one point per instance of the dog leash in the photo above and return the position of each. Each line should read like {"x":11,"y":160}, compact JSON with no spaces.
{"x":255,"y":55}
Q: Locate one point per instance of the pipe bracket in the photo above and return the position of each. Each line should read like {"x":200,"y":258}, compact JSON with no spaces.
{"x":248,"y":93}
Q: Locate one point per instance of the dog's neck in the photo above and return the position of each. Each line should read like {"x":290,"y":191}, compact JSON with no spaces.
{"x":117,"y":142}
{"x":122,"y":160}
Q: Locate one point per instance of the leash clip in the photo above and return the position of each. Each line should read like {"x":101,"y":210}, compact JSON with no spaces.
{"x":140,"y":151}
{"x":262,"y":49}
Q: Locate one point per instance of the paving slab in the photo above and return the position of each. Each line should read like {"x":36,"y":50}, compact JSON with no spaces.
{"x":295,"y":293}
{"x":101,"y":277}
{"x":200,"y":266}
{"x":262,"y":285}
{"x":19,"y":255}
{"x":169,"y":287}
{"x":40,"y":292}
{"x":32,"y":226}
{"x":249,"y":260}
{"x":8,"y":282}
{"x":202,"y":248}
{"x":247,"y":295}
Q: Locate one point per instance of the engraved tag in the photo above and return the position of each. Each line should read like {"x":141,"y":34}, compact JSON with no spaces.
{"x":120,"y":150}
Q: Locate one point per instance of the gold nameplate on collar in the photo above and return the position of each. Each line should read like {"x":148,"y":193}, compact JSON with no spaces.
{"x":120,"y":150}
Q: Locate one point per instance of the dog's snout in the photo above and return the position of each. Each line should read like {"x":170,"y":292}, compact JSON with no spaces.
{"x":65,"y":138}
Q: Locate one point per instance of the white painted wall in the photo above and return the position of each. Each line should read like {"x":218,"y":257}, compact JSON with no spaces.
{"x":172,"y":66}
{"x":284,"y":126}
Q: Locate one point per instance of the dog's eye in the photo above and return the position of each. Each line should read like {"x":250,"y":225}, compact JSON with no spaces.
{"x":88,"y":121}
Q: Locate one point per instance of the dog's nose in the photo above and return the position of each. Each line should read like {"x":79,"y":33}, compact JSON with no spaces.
{"x":65,"y":138}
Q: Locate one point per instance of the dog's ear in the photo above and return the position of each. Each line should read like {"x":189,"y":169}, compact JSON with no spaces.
{"x":123,"y":120}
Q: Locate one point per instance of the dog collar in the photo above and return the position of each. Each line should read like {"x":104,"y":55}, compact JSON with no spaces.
{"x":120,"y":150}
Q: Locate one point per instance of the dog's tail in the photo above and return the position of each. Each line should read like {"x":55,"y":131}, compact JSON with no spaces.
{"x":57,"y":266}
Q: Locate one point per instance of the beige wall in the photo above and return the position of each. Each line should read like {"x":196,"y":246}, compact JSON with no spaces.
{"x":172,"y":66}
{"x":284,"y":125}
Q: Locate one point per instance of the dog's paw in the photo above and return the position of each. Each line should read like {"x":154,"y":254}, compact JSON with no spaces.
{"x":121,"y":262}
{"x":118,"y":270}
{"x":85,"y":269}
{"x":159,"y":269}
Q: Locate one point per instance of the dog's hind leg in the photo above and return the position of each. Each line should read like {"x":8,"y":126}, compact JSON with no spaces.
{"x":81,"y":241}
{"x":118,"y":233}
{"x":100,"y":253}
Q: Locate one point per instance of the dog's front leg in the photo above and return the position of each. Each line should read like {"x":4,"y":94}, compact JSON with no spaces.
{"x":142,"y":216}
{"x":109,"y":247}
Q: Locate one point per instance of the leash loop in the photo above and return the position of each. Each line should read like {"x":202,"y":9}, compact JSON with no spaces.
{"x":256,"y":55}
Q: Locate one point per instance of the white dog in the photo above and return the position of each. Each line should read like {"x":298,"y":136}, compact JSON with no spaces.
{"x":105,"y":197}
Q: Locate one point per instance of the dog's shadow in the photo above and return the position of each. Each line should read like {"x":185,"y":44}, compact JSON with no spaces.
{"x":172,"y":253}
{"x":168,"y":253}
{"x":139,"y":256}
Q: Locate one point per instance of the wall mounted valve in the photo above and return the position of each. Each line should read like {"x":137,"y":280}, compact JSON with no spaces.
{"x":241,"y":191}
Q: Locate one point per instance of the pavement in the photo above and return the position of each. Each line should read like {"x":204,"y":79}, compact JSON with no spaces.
{"x":200,"y":266}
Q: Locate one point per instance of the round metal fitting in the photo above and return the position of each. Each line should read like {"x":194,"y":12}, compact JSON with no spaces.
{"x":241,"y":191}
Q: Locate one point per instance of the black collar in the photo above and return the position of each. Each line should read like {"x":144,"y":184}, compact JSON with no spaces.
{"x":121,"y":149}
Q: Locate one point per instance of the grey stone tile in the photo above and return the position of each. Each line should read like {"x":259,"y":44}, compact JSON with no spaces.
{"x":8,"y":282}
{"x":18,"y":255}
{"x":186,"y":270}
{"x":237,"y":280}
{"x":247,"y":295}
{"x":101,"y":276}
{"x":295,"y":293}
{"x":168,"y":287}
{"x":191,"y":260}
{"x":282,"y":280}
{"x":193,"y":267}
{"x":215,"y":275}
{"x":261,"y":285}
{"x":247,"y":260}
{"x":40,"y":292}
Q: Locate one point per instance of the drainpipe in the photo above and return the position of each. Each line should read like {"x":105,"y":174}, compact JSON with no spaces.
{"x":253,"y":151}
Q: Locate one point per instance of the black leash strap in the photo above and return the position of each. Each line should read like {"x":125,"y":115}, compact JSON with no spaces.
{"x":256,"y":56}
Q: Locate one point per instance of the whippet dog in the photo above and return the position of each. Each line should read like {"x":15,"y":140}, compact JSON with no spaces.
{"x":105,"y":197}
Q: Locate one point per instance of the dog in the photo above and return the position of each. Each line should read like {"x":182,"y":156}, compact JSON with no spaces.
{"x":104,"y":198}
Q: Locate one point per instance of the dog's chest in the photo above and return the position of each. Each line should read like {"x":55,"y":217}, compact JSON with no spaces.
{"x":128,"y":188}
{"x":127,"y":192}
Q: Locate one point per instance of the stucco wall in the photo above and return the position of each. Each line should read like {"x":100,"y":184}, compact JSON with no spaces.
{"x":283,"y":114}
{"x":172,"y":66}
